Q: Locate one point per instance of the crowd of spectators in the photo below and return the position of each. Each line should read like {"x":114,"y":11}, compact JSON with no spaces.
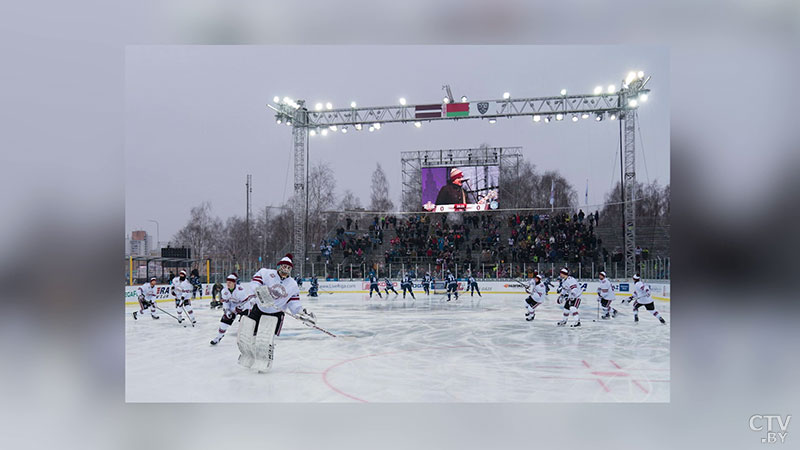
{"x":475,"y":238}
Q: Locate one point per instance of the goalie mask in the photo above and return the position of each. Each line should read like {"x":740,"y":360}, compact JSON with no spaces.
{"x":285,"y":266}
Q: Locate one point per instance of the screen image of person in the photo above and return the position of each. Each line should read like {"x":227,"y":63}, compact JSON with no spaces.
{"x":452,"y":192}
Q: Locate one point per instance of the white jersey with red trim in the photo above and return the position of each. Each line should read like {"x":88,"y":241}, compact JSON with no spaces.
{"x":147,"y":291}
{"x":241,"y":297}
{"x":641,"y":293}
{"x":537,"y":291}
{"x":182,"y":289}
{"x":285,"y":292}
{"x":571,"y":287}
{"x":606,"y":290}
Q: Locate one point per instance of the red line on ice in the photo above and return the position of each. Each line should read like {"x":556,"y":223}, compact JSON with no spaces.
{"x":585,"y":363}
{"x":372,"y":355}
{"x":615,"y":364}
{"x":604,"y":385}
{"x":639,"y":386}
{"x":611,"y":374}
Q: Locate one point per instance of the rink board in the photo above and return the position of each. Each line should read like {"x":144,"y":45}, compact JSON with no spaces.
{"x":659,"y":290}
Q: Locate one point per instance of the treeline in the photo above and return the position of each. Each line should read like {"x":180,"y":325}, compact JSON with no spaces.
{"x":271,"y":227}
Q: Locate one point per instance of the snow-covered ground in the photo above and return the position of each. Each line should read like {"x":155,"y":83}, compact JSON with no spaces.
{"x":396,"y":350}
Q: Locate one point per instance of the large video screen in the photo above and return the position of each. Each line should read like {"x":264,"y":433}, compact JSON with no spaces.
{"x":468,"y":188}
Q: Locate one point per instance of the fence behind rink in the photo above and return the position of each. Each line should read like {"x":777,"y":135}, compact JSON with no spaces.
{"x":215,"y":270}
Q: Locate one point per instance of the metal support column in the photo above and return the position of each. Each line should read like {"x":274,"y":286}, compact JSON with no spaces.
{"x":299,"y":138}
{"x":629,"y":135}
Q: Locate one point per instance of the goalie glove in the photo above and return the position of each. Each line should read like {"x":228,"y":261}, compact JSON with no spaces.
{"x":307,"y":317}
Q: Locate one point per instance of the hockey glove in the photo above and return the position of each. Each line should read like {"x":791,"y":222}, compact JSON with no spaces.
{"x":307,"y":317}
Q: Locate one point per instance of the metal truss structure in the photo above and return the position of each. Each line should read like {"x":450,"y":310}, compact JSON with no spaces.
{"x":620,"y":104}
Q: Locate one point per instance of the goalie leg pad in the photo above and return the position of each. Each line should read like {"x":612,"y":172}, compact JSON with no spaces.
{"x":265,"y":343}
{"x":246,"y":341}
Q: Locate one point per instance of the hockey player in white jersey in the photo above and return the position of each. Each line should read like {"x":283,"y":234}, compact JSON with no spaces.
{"x":276,"y":291}
{"x":147,"y":299}
{"x":605,"y":294}
{"x":641,"y":297}
{"x":236,"y":300}
{"x":571,"y":292}
{"x":537,"y":294}
{"x":182,"y":291}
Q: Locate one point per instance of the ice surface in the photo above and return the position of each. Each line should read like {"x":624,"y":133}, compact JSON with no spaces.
{"x":428,"y":350}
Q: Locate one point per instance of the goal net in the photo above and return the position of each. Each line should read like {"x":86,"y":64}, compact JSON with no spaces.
{"x":439,"y":287}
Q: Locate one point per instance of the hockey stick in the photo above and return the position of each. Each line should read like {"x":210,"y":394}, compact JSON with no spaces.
{"x":156,"y":306}
{"x":309,"y":325}
{"x":187,"y":315}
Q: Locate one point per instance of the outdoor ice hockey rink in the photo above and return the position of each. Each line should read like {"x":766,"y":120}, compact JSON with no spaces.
{"x":403,"y":350}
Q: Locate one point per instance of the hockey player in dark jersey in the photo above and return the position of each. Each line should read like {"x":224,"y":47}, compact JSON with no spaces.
{"x":426,"y":283}
{"x":451,"y":285}
{"x":373,"y":285}
{"x":406,"y":285}
{"x":473,"y":286}
{"x":389,"y":286}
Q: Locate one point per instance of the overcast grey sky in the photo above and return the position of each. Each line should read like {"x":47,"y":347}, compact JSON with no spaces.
{"x":197,"y":121}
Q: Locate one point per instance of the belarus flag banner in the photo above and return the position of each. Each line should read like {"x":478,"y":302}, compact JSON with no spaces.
{"x":427,"y":111}
{"x":457,"y":109}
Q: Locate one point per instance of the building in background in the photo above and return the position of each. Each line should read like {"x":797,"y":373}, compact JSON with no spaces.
{"x":139,"y":244}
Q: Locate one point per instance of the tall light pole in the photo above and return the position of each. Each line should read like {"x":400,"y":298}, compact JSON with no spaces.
{"x":158,"y":238}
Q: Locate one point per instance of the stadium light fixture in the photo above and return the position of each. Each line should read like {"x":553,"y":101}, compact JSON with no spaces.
{"x":278,"y":120}
{"x":563,"y":92}
{"x":318,"y":107}
{"x":640,"y":74}
{"x":417,"y":124}
{"x":357,"y":127}
{"x":463,"y":99}
{"x":403,"y":101}
{"x":377,"y":125}
{"x":506,"y":95}
{"x":643,"y":97}
{"x":574,"y":117}
{"x":353,"y":104}
{"x":344,"y":130}
{"x":547,"y":119}
{"x":598,"y":90}
{"x":633,"y":103}
{"x":598,"y":117}
{"x":276,"y":99}
{"x":585,"y":116}
{"x":537,"y":118}
{"x":312,"y":133}
{"x":371,"y":128}
{"x":288,"y":123}
{"x":559,"y":116}
{"x":446,"y":100}
{"x":492,"y":120}
{"x":329,"y":105}
{"x":324,"y":132}
{"x":631,"y":76}
{"x":333,"y":127}
{"x":611,"y":89}
{"x":612,"y":116}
